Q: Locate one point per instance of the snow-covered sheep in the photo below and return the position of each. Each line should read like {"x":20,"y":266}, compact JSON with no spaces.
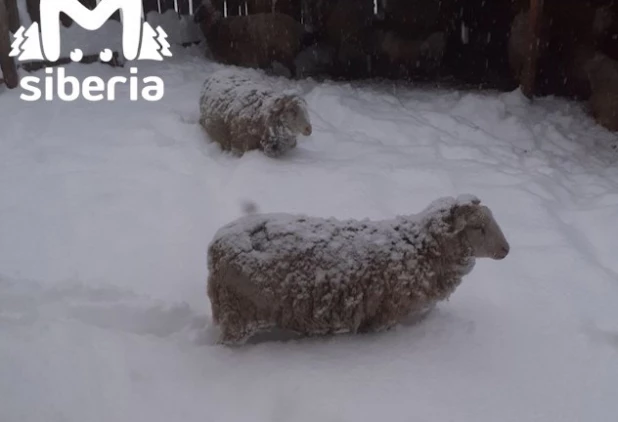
{"x":268,"y":41}
{"x":318,"y":276}
{"x":242,"y":112}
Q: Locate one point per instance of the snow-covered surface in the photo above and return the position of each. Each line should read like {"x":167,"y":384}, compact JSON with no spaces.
{"x":107,"y":210}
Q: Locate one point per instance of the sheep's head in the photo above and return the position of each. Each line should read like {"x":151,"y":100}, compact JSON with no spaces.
{"x":206,"y":13}
{"x":476,"y":223}
{"x":603,"y":19}
{"x":602,"y":71}
{"x":294,"y":116}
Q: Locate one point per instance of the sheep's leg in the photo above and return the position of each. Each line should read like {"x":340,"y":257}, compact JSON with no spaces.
{"x":377,"y":325}
{"x":280,"y":69}
{"x":236,"y":336}
{"x":237,"y":333}
{"x":276,"y":146}
{"x":217,"y":131}
{"x":235,"y":330}
{"x":237,"y":317}
{"x":271,"y":146}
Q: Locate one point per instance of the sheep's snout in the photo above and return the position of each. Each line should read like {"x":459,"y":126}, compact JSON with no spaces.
{"x":504,"y":251}
{"x":485,"y":235}
{"x":307,"y":130}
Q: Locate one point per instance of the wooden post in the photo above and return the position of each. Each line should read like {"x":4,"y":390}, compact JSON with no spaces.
{"x":183,"y":7}
{"x":259,"y":6}
{"x":13,"y":13}
{"x":233,"y":7}
{"x":32,"y":6}
{"x":166,"y":5}
{"x":7,"y":64}
{"x":150,"y":6}
{"x":528,"y":79}
{"x":218,"y":5}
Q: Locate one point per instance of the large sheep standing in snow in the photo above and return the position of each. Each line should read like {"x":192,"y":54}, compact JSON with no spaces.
{"x":319,"y":276}
{"x":263,"y":40}
{"x":241,"y":112}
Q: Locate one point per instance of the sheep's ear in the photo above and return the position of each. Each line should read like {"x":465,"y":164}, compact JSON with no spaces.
{"x":462,"y":215}
{"x":205,"y":12}
{"x":285,"y":102}
{"x":289,"y":98}
{"x":464,"y":199}
{"x":199,"y":14}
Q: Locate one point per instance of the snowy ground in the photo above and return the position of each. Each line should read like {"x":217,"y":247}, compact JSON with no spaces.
{"x":106,"y":211}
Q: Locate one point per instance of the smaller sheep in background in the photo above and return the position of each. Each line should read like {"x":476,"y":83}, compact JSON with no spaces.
{"x":319,"y":276}
{"x":269,"y":41}
{"x":413,"y":55}
{"x":241,"y":112}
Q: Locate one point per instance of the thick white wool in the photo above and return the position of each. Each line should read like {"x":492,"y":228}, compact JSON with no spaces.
{"x":242,"y":110}
{"x":341,"y":247}
{"x":231,"y":92}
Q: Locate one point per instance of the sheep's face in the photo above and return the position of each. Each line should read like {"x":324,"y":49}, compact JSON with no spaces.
{"x":296,"y":119}
{"x":477,"y":225}
{"x":206,"y":13}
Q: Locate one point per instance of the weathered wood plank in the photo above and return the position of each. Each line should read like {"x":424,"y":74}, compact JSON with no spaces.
{"x":7,"y":64}
{"x":316,"y":13}
{"x":259,"y":6}
{"x":13,"y":13}
{"x":183,"y":7}
{"x":167,"y":5}
{"x":528,"y":80}
{"x":150,"y":6}
{"x":233,"y":7}
{"x":32,"y":6}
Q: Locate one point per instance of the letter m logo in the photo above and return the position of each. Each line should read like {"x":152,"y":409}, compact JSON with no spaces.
{"x":131,"y":14}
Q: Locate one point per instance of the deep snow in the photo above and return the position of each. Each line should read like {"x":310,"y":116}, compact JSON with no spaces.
{"x":107,"y":209}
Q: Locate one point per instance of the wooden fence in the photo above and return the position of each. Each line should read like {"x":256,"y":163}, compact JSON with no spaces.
{"x":404,"y":17}
{"x":9,"y":22}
